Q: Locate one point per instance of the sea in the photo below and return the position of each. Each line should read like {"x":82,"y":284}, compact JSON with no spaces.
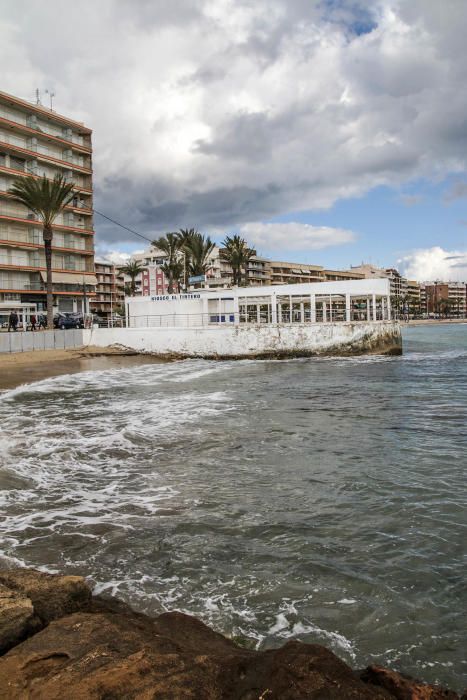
{"x":317,"y":499}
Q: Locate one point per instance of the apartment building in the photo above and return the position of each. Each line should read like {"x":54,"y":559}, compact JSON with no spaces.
{"x":292,"y":273}
{"x":398,"y":282}
{"x":446,"y":298}
{"x":37,"y":141}
{"x":110,"y":291}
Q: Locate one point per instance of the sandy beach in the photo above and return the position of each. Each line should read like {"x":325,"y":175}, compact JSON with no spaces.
{"x":25,"y":367}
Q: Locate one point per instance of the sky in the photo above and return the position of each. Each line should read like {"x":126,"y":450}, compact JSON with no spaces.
{"x":332,"y":132}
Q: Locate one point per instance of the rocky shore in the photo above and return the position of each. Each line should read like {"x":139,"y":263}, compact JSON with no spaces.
{"x":58,"y":641}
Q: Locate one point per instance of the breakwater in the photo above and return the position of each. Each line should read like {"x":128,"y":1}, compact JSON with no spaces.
{"x":229,"y":341}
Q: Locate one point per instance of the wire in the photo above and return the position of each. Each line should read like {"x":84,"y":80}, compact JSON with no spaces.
{"x":122,"y":226}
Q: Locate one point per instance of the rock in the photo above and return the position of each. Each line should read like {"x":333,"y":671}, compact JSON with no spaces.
{"x":102,"y":650}
{"x":403,"y":687}
{"x":17,"y":618}
{"x":51,"y":596}
{"x":112,"y":655}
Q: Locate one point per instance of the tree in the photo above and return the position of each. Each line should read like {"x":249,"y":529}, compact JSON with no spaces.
{"x":170,"y":244}
{"x":185,"y":236}
{"x":46,"y":198}
{"x":200,"y":248}
{"x":237,"y":254}
{"x":132,"y":269}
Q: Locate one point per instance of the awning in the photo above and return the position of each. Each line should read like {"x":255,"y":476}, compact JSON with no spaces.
{"x":69,"y":278}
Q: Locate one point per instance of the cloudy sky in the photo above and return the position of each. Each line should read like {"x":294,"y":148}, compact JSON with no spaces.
{"x":327,"y":131}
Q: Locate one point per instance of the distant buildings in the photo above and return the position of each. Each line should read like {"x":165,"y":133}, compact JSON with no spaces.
{"x":110,"y":292}
{"x":37,"y":141}
{"x":446,"y":298}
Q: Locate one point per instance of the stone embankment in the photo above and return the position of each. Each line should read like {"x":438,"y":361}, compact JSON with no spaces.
{"x":58,"y":641}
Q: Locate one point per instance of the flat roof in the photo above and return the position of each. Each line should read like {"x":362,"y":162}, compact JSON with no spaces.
{"x":43,"y":111}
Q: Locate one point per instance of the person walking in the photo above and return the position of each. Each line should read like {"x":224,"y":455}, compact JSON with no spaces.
{"x":13,"y":321}
{"x":33,"y":321}
{"x":42,"y":322}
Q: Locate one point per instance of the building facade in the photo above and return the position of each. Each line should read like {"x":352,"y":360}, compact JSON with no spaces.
{"x":110,"y":291}
{"x":37,"y":141}
{"x":446,"y":299}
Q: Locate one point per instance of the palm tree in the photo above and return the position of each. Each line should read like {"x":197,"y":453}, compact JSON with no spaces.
{"x":174,"y":273}
{"x":170,"y":245}
{"x":132,"y":269}
{"x":238,"y":254}
{"x":200,"y":248}
{"x":185,"y":236}
{"x":46,"y":198}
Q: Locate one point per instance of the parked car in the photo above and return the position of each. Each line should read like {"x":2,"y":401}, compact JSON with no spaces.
{"x":65,"y":321}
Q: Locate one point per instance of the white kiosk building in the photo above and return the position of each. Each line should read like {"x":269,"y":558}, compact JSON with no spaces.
{"x":343,"y":318}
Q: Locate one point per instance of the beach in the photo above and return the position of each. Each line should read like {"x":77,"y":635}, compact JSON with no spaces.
{"x":25,"y":367}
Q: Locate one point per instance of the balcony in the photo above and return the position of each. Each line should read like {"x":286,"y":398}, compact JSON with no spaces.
{"x":32,"y":146}
{"x":31,"y":122}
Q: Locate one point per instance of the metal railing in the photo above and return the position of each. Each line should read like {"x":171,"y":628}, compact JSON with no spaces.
{"x":228,"y":318}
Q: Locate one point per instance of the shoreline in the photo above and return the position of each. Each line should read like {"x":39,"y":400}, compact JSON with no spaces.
{"x":21,"y":368}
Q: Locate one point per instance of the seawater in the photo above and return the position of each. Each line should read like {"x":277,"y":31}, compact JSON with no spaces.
{"x":317,"y":499}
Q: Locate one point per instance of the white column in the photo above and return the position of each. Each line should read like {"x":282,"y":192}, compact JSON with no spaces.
{"x":330,"y":308}
{"x":373,"y":301}
{"x":219,"y":310}
{"x":273,"y":307}
{"x":205,"y":316}
{"x":302,"y":312}
{"x":347,"y":307}
{"x":312,"y":308}
{"x":279,"y":309}
{"x":368,"y":311}
{"x":388,"y":304}
{"x":236,"y":309}
{"x":325,"y":316}
{"x":290,"y":309}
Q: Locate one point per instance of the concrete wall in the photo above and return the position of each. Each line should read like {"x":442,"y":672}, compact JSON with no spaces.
{"x":40,"y":340}
{"x":255,"y":341}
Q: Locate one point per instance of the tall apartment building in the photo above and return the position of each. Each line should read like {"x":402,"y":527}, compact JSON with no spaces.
{"x":37,"y":141}
{"x":109,"y":290}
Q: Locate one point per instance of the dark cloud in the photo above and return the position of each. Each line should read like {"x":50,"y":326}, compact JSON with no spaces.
{"x":215,"y":114}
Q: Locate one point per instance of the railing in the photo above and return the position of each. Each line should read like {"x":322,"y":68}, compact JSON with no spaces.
{"x":42,"y":127}
{"x":44,"y":150}
{"x":229,"y":318}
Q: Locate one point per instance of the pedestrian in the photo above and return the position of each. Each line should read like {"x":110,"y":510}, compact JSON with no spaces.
{"x":42,"y":322}
{"x":13,"y":321}
{"x":33,"y":320}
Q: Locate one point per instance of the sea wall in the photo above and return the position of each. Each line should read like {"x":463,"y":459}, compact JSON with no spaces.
{"x":278,"y":340}
{"x":25,"y":341}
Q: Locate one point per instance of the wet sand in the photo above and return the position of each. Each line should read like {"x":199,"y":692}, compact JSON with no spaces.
{"x":26,"y":367}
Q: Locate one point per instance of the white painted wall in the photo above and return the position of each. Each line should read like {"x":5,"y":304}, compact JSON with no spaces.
{"x":245,"y":341}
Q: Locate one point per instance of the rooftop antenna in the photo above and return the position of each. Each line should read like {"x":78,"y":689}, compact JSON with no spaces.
{"x":38,"y":97}
{"x":51,"y":95}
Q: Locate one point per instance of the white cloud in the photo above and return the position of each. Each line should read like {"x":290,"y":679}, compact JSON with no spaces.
{"x":294,"y":236}
{"x":215,"y":113}
{"x":430,"y":264}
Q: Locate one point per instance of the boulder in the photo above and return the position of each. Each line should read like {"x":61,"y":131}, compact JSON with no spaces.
{"x":404,"y":687}
{"x":112,"y":655}
{"x":17,"y":618}
{"x":51,"y":596}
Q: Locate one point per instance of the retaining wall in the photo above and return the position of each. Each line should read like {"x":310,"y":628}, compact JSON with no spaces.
{"x":24,"y":341}
{"x":381,"y":337}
